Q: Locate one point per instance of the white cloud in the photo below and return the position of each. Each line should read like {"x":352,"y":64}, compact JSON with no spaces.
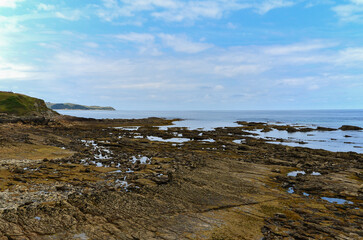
{"x":15,"y":71}
{"x":179,"y":43}
{"x":46,"y":7}
{"x":169,"y":10}
{"x":69,"y":15}
{"x":231,"y":25}
{"x":268,"y":5}
{"x":313,"y":3}
{"x":295,"y":82}
{"x":217,"y":73}
{"x":183,"y":44}
{"x":165,"y":85}
{"x":357,"y":1}
{"x":314,"y":87}
{"x":233,"y":63}
{"x":10,"y":25}
{"x":315,"y":82}
{"x":350,"y":56}
{"x":9,"y":3}
{"x":3,"y":41}
{"x":230,"y":63}
{"x":185,"y":10}
{"x":298,"y":47}
{"x":144,"y":42}
{"x":239,"y":69}
{"x":352,"y":12}
{"x":136,"y":37}
{"x":218,"y":88}
{"x":91,"y":45}
{"x":193,"y":10}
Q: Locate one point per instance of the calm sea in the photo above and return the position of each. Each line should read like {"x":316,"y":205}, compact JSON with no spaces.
{"x":208,"y":120}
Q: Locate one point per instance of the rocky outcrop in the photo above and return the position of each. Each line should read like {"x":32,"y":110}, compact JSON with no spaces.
{"x":25,"y":120}
{"x":350,"y":128}
{"x":120,"y":184}
{"x":19,"y":108}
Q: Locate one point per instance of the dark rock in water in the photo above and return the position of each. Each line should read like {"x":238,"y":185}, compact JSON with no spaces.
{"x":347,"y":136}
{"x":291,"y":129}
{"x":250,"y":123}
{"x":267,"y":129}
{"x":325,"y":129}
{"x":350,"y":128}
{"x":306,"y":129}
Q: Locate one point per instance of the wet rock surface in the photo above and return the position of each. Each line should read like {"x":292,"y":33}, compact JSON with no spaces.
{"x":107,"y":179}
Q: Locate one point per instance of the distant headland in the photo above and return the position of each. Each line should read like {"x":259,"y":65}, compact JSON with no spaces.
{"x":72,"y":106}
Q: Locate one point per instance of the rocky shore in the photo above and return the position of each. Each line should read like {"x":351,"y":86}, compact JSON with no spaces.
{"x":74,"y":178}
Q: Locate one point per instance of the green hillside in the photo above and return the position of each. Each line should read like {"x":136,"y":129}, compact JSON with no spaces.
{"x":72,"y":106}
{"x":22,"y":105}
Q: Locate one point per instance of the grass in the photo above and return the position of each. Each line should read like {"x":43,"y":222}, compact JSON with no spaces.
{"x":21,"y":151}
{"x":21,"y":105}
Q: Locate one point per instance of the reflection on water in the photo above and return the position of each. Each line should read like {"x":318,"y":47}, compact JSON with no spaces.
{"x":336,"y":200}
{"x":176,"y":140}
{"x":295,"y":173}
{"x":335,"y":141}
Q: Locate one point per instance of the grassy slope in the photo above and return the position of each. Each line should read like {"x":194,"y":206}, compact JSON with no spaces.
{"x":72,"y":106}
{"x":22,"y":105}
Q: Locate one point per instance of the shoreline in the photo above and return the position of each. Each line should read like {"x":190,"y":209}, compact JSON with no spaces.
{"x":174,"y":183}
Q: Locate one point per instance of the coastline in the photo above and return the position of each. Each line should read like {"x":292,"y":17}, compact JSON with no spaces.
{"x":174,"y":183}
{"x":84,"y":110}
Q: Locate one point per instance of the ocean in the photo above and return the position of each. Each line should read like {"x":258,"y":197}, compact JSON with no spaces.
{"x":344,"y":141}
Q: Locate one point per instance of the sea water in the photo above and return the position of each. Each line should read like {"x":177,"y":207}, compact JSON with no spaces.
{"x":208,"y":120}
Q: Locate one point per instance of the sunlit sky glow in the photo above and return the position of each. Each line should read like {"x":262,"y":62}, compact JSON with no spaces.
{"x":185,"y":54}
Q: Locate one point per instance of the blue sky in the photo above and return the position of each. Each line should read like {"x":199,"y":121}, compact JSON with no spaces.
{"x":185,"y":54}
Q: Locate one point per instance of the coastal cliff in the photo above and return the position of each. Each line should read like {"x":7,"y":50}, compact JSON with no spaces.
{"x":15,"y":107}
{"x":22,"y":105}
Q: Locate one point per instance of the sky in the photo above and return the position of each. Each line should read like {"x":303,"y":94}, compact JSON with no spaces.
{"x":185,"y":54}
